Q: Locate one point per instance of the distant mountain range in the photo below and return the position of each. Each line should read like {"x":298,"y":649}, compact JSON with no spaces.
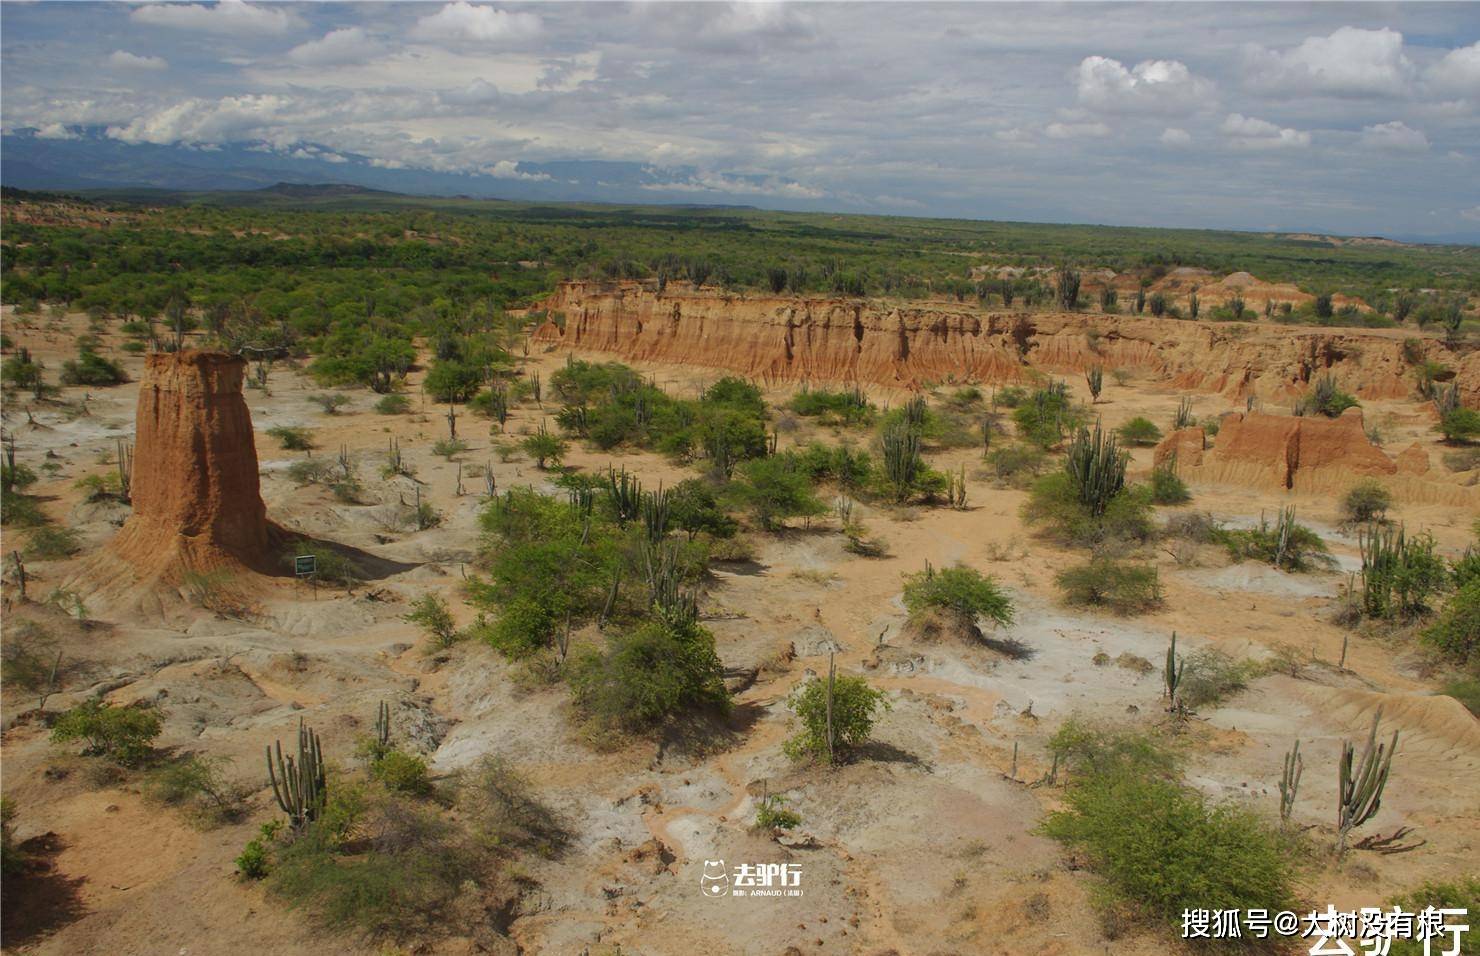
{"x":86,"y":158}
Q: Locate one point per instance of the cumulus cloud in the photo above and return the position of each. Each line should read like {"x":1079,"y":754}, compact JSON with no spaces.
{"x":346,"y":45}
{"x":1348,"y":62}
{"x":1172,"y":136}
{"x":476,"y":93}
{"x":1151,"y":86}
{"x":703,"y":181}
{"x":231,"y":17}
{"x":1458,"y":72}
{"x":1472,"y":214}
{"x":1075,"y":130}
{"x":131,"y":61}
{"x":1250,"y":133}
{"x":509,"y":169}
{"x":56,"y":131}
{"x":462,"y":21}
{"x":1396,"y":135}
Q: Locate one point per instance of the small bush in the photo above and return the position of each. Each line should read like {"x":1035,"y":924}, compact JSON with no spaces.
{"x":650,"y":674}
{"x":842,"y":407}
{"x":1103,"y":582}
{"x":330,"y":403}
{"x":1461,"y":893}
{"x":1210,"y":675}
{"x":430,"y":613}
{"x":1053,"y":505}
{"x":312,"y":471}
{"x":122,"y":734}
{"x":1084,"y":749}
{"x":393,"y":404}
{"x":1015,"y":465}
{"x":503,"y":810}
{"x":91,"y":368}
{"x":1367,"y":500}
{"x":332,"y":567}
{"x":52,"y":544}
{"x":197,"y":784}
{"x":1167,"y":488}
{"x":1164,"y":848}
{"x":291,"y":438}
{"x":1285,"y":544}
{"x":1467,"y":692}
{"x":1456,"y":632}
{"x":1460,"y":425}
{"x":854,"y":705}
{"x":449,"y":448}
{"x":771,"y":814}
{"x":255,"y":860}
{"x":1139,"y":431}
{"x":402,"y":772}
{"x":544,"y":446}
{"x":962,"y":593}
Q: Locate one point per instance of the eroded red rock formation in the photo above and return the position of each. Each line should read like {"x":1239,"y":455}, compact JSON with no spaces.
{"x":196,"y":501}
{"x":779,"y":338}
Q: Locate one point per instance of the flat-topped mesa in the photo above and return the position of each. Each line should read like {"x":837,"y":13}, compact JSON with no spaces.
{"x":197,"y":505}
{"x":909,"y":345}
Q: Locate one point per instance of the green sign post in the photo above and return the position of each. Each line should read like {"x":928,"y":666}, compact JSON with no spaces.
{"x":305,"y":564}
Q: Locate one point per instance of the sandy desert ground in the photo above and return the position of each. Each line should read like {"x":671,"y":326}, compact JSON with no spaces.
{"x":926,"y":846}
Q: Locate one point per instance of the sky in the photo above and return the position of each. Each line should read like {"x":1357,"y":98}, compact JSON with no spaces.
{"x":1350,"y":118}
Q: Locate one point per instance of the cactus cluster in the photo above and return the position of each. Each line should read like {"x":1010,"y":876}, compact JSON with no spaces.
{"x":670,"y":598}
{"x":1095,"y":379}
{"x":299,"y":784}
{"x":1096,"y":465}
{"x":1362,"y":781}
{"x":902,"y":463}
{"x":1171,"y":677}
{"x":654,"y":507}
{"x":625,"y":493}
{"x":1184,"y":417}
{"x":1290,"y":781}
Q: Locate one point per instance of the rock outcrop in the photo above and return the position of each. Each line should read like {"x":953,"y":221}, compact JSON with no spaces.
{"x":196,"y":500}
{"x":780,"y":338}
{"x":1307,"y":455}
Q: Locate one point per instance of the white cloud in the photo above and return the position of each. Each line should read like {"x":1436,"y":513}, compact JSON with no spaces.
{"x":1172,"y":136}
{"x":1473,"y":213}
{"x":56,"y":131}
{"x":1458,"y":72}
{"x":1075,"y":130}
{"x":509,"y":169}
{"x":1151,"y":86}
{"x":1396,"y":135}
{"x":464,"y":21}
{"x":1349,"y":62}
{"x":1250,"y":133}
{"x":346,"y":45}
{"x":709,"y":182}
{"x":476,"y":93}
{"x":231,"y":17}
{"x":132,"y":61}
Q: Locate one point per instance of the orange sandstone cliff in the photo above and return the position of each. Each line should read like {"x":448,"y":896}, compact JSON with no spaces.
{"x":908,"y":345}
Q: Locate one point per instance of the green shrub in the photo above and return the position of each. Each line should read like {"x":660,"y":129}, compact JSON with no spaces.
{"x":331,"y":403}
{"x":1467,"y":692}
{"x":430,"y":613}
{"x":402,"y":772}
{"x":846,"y":407}
{"x":1083,"y":749}
{"x":1210,"y":675}
{"x":1326,"y":399}
{"x":1139,"y":431}
{"x":854,"y":707}
{"x":291,"y":438}
{"x":1456,"y":633}
{"x":693,"y":508}
{"x":1053,"y":505}
{"x":771,"y":814}
{"x":775,"y":489}
{"x":1046,"y":415}
{"x":91,"y":368}
{"x":1460,"y":893}
{"x":1167,"y":488}
{"x":1400,"y":574}
{"x":312,"y":471}
{"x":503,"y":811}
{"x":197,"y":784}
{"x":52,"y":544}
{"x":122,"y":734}
{"x":1285,"y":544}
{"x":17,"y":477}
{"x":544,"y":446}
{"x":1460,"y":425}
{"x":1014,"y":465}
{"x":451,"y":447}
{"x":650,"y":674}
{"x":962,"y":593}
{"x":393,"y":404}
{"x":1103,"y":582}
{"x":255,"y":860}
{"x":1367,"y":500}
{"x":1164,"y":848}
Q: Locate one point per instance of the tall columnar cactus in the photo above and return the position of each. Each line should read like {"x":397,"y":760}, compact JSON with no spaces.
{"x":1068,"y":283}
{"x":902,"y":464}
{"x":383,"y":726}
{"x":670,"y":598}
{"x":1095,"y":379}
{"x":299,"y":785}
{"x":1184,"y":417}
{"x":1171,"y":676}
{"x":655,"y":512}
{"x":626,"y":494}
{"x":1362,"y":782}
{"x":1290,"y":781}
{"x":125,"y":470}
{"x":1097,"y":466}
{"x":914,"y":412}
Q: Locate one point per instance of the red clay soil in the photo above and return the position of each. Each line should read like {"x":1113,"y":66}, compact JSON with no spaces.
{"x":196,"y":501}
